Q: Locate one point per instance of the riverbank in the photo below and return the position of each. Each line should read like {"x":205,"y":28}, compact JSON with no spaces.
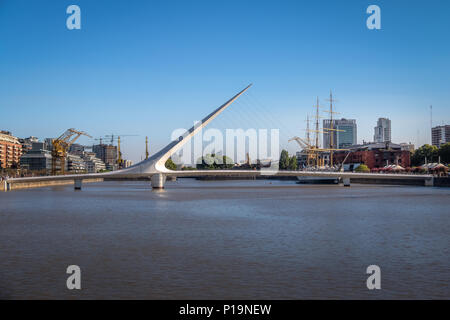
{"x":40,"y":184}
{"x":438,"y":181}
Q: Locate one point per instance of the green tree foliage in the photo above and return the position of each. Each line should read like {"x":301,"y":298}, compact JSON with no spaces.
{"x":362,"y":168}
{"x":188,"y":168}
{"x":293,"y":163}
{"x":170,"y":164}
{"x":214,"y":162}
{"x":444,"y":153}
{"x":426,"y":151}
{"x":284,"y":160}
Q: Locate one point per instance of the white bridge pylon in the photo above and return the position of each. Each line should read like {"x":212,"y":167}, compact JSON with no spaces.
{"x":156,"y":163}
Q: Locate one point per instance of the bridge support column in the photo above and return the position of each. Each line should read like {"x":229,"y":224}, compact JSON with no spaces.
{"x":77,"y":184}
{"x":346,"y":182}
{"x":158,"y":181}
{"x":429,"y":182}
{"x":6,"y":186}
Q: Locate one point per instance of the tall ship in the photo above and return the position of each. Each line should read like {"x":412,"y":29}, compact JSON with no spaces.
{"x":314,"y":158}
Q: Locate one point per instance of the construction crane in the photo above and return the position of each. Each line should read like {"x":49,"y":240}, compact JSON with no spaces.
{"x":311,"y":150}
{"x":119,"y":153}
{"x":60,"y":147}
{"x":116,"y":137}
{"x":302,"y":143}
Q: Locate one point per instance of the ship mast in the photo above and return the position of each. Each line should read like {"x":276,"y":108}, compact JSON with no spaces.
{"x":331,"y":130}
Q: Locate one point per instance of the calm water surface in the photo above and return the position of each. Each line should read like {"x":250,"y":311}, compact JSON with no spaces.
{"x":225,"y":239}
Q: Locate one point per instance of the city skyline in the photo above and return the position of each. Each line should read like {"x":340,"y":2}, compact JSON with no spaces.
{"x":134,"y":68}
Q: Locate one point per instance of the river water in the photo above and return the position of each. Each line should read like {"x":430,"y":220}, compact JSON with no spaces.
{"x":225,"y":240}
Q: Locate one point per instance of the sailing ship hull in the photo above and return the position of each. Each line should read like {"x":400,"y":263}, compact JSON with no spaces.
{"x":317,"y":180}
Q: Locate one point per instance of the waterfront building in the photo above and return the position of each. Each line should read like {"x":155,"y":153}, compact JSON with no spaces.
{"x":92,"y":163}
{"x":27,"y":143}
{"x":108,"y":154}
{"x":38,"y":158}
{"x":345,"y":133}
{"x":48,"y":143}
{"x":440,"y":135}
{"x":10,"y":150}
{"x":75,"y":164}
{"x":302,"y":159}
{"x":127,"y":163}
{"x":382,"y":130}
{"x":374,"y":155}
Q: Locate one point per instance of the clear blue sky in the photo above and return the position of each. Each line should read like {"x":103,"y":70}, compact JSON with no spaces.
{"x":148,"y":67}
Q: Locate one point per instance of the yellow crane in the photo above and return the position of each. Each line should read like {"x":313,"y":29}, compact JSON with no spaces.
{"x":119,"y":161}
{"x":60,"y":147}
{"x":311,"y":151}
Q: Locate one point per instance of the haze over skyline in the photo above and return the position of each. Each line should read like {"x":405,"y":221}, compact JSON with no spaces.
{"x":149,"y":67}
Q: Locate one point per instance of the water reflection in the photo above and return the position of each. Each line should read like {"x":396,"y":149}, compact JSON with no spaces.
{"x":225,"y":239}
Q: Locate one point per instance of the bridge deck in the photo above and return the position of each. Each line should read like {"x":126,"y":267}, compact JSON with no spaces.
{"x":234,"y":173}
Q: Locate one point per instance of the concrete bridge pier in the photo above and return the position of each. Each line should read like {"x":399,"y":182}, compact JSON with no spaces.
{"x":77,"y":184}
{"x":6,"y":186}
{"x":346,"y":182}
{"x":158,"y":181}
{"x":429,"y":182}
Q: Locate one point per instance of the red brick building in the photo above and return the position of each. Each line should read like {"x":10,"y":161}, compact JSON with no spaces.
{"x":10,"y":150}
{"x":375,"y":155}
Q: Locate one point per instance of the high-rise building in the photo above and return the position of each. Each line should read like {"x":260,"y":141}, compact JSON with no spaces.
{"x":10,"y":150}
{"x":75,"y":164}
{"x":440,"y":135}
{"x":382,"y":130}
{"x":344,"y":135}
{"x":108,"y":154}
{"x":76,"y":149}
{"x":92,"y":163}
{"x":27,"y":143}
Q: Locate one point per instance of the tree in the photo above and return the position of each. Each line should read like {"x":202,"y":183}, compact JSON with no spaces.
{"x":444,"y":153}
{"x":214,"y":162}
{"x":293,"y":163}
{"x":170,"y":164}
{"x":227,"y":163}
{"x":362,"y":168}
{"x":284,"y":160}
{"x":188,"y":168}
{"x":425,"y":151}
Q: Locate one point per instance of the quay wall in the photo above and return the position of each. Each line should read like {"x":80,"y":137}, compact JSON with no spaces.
{"x":40,"y":184}
{"x":442,"y":182}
